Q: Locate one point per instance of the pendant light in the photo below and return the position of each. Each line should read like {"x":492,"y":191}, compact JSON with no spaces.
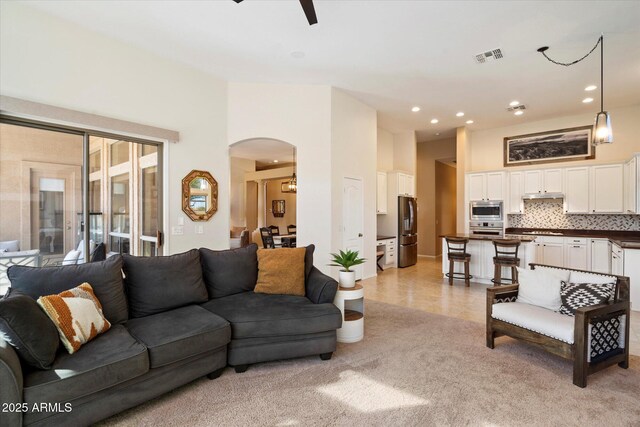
{"x":602,"y":132}
{"x":291,"y":186}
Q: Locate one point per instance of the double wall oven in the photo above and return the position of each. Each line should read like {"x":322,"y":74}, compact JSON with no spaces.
{"x":486,"y":218}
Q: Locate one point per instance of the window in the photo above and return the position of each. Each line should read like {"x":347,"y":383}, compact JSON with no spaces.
{"x":42,"y":196}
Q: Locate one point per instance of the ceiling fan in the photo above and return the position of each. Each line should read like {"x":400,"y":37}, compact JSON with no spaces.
{"x":309,"y":10}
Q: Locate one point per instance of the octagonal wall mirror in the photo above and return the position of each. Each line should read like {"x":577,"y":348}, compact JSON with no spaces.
{"x":199,"y":195}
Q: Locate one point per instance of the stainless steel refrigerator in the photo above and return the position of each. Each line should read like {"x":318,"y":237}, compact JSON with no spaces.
{"x":407,"y":231}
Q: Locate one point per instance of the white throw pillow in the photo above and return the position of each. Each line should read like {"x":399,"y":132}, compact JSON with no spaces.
{"x":71,"y":258}
{"x":594,"y":278}
{"x":540,"y":288}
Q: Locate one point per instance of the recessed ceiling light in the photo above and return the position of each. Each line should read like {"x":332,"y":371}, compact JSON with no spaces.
{"x":514,"y":103}
{"x":434,"y":121}
{"x":415,"y":109}
{"x":469,"y":122}
{"x":275,"y":161}
{"x":459,"y":114}
{"x":590,"y":88}
{"x":437,"y":133}
{"x":519,"y":113}
{"x":587,"y":100}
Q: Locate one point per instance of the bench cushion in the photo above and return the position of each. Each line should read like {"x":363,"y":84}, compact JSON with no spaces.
{"x":181,"y":333}
{"x":109,"y":359}
{"x":537,"y":319}
{"x":262,"y":315}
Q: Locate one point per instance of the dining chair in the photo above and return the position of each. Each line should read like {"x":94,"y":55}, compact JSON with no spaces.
{"x":291,"y":229}
{"x":275,"y":230}
{"x":267,"y":238}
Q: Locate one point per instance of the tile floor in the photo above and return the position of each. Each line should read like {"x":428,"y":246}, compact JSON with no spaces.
{"x":422,"y":287}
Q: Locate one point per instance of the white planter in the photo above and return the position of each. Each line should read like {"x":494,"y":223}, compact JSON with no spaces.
{"x":347,"y":279}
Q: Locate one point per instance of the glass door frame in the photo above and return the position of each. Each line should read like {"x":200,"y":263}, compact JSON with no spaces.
{"x":86,"y":134}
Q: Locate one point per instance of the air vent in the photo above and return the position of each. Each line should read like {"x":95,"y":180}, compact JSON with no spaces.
{"x":489,"y":55}
{"x":517,"y":107}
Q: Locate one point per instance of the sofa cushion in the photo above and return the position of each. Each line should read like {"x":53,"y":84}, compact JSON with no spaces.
{"x":578,"y":295}
{"x":281,"y":271}
{"x":594,"y":278}
{"x":77,"y":314}
{"x":180,"y":333}
{"x":537,"y":319}
{"x":28,"y":329}
{"x":539,"y":287}
{"x":10,"y":246}
{"x":110,"y":359}
{"x":105,"y":278}
{"x":254,"y":315}
{"x":229,"y":272}
{"x":308,"y":260}
{"x":157,"y":284}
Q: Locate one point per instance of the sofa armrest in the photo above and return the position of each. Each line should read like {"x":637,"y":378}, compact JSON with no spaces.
{"x":320,"y":288}
{"x":500,"y":294}
{"x":11,"y":380}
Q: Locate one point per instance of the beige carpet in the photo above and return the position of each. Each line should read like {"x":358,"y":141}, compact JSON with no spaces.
{"x":413,"y":368}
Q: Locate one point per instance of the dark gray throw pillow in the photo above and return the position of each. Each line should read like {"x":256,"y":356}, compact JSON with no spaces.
{"x":28,"y":329}
{"x":105,"y":277}
{"x":229,"y":272}
{"x":157,"y":284}
{"x":308,"y":261}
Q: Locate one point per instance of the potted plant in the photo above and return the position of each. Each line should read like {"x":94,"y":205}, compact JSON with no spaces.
{"x":346,"y":260}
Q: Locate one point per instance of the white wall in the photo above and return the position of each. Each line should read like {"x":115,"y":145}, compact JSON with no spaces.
{"x":239,"y":167}
{"x":299,"y":115}
{"x":486,"y":148}
{"x":354,"y":155}
{"x":405,"y":152}
{"x":385,"y":150}
{"x":48,"y":60}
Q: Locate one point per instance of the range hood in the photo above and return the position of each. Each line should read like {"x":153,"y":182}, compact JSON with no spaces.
{"x":542,"y":196}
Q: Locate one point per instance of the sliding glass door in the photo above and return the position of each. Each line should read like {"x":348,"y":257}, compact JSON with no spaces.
{"x":50,"y":175}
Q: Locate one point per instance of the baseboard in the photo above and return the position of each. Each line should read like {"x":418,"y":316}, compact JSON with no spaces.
{"x":428,"y":256}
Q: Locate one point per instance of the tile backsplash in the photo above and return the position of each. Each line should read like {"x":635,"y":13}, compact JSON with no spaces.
{"x":550,"y":214}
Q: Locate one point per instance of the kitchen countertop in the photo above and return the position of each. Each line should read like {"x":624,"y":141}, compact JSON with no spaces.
{"x":624,"y":239}
{"x":385,"y":237}
{"x":524,"y":239}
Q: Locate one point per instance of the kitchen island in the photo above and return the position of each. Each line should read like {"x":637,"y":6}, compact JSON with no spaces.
{"x":482,"y":252}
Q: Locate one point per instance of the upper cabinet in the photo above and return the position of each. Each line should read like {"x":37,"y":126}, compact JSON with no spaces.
{"x":576,"y":195}
{"x":516,"y":190}
{"x":486,"y":186}
{"x":606,"y":184}
{"x":543,"y":181}
{"x":631,"y":186}
{"x":381,"y":196}
{"x":406,"y":185}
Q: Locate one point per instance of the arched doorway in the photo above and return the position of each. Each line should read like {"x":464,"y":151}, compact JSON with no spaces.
{"x":263,"y":189}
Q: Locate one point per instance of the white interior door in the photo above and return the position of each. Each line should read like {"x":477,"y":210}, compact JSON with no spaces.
{"x":352,"y":218}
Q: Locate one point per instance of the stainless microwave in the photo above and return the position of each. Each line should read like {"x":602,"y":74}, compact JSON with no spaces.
{"x":491,"y":210}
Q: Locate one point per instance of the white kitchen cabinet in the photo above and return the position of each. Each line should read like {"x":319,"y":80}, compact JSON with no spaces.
{"x":576,"y":195}
{"x":631,"y":261}
{"x":381,"y":195}
{"x":406,"y":185}
{"x":606,"y":185}
{"x":600,"y":256}
{"x":631,"y":186}
{"x":516,"y":190}
{"x":576,"y":256}
{"x":549,"y":251}
{"x":543,"y":181}
{"x":617,"y":260}
{"x":486,"y":186}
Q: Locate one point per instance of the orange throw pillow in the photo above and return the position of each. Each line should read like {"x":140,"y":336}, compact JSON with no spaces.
{"x":281,"y":271}
{"x":77,"y":314}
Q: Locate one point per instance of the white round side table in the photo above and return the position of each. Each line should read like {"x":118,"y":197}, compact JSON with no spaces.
{"x":350,"y":301}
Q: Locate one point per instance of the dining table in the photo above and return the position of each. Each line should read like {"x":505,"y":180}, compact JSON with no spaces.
{"x":285,"y":240}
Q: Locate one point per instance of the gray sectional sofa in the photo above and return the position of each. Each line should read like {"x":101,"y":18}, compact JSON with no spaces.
{"x":174,"y":319}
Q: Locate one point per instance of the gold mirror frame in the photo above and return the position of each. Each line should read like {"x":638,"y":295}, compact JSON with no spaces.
{"x":186,"y":196}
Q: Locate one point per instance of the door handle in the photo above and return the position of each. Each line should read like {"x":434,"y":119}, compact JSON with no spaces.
{"x":359,"y":234}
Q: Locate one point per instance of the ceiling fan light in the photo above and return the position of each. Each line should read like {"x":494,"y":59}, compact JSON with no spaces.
{"x":602,"y":131}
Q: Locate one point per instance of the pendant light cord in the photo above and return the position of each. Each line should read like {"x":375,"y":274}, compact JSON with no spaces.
{"x":601,"y":41}
{"x":568,"y":64}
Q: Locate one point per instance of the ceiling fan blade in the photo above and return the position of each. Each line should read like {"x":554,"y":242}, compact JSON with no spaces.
{"x":309,"y":11}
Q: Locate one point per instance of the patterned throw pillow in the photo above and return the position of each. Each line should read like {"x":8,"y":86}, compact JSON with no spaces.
{"x":577,"y":295}
{"x":77,"y":314}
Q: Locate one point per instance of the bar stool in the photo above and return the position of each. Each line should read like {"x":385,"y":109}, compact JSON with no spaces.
{"x":506,"y":256}
{"x":457,"y":252}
